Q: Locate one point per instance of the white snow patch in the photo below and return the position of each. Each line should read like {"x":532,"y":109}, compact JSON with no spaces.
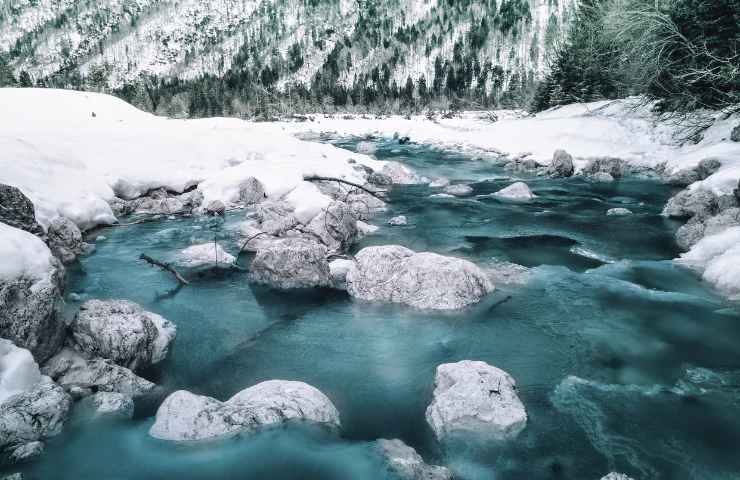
{"x":23,"y":255}
{"x":18,"y":370}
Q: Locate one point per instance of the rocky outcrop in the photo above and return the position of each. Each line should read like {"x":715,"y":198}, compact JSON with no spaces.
{"x":251,"y":191}
{"x":65,"y":240}
{"x":516,"y":191}
{"x":472,"y":396}
{"x":423,"y":280}
{"x":82,"y":377}
{"x":615,"y":167}
{"x":561,"y":165}
{"x":292,"y":263}
{"x":31,"y":304}
{"x":407,"y":464}
{"x":17,"y":210}
{"x":123,"y":332}
{"x":112,"y":404}
{"x":204,"y":255}
{"x":184,"y":416}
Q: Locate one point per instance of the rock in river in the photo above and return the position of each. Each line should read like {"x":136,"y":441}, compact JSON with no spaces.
{"x":65,"y":240}
{"x":292,"y":263}
{"x":407,"y":464}
{"x":123,"y":332}
{"x":426,"y":280}
{"x":473,"y":396}
{"x":184,"y":416}
{"x":516,"y":191}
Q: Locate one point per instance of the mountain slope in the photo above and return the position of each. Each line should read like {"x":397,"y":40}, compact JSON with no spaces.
{"x":364,"y":49}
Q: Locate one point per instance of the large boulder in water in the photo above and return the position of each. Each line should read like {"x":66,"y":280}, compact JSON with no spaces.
{"x":17,"y":210}
{"x":122,"y":331}
{"x":516,"y":191}
{"x":561,"y":165}
{"x":424,"y":280}
{"x":688,"y":203}
{"x":65,"y":240}
{"x":335,"y":227}
{"x":184,"y":416}
{"x":30,"y":293}
{"x":407,"y":464}
{"x":472,"y":396}
{"x":292,"y":263}
{"x":83,"y":376}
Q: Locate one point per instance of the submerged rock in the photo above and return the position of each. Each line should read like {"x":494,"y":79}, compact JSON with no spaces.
{"x":407,"y":464}
{"x":398,"y":221}
{"x":83,"y":377}
{"x":123,"y":332}
{"x":24,"y":452}
{"x":688,"y":203}
{"x":424,"y":280}
{"x":561,"y":165}
{"x":205,"y":255}
{"x":292,"y":263}
{"x":516,"y":191}
{"x":251,"y":191}
{"x":618,"y":212}
{"x":472,"y":396}
{"x":65,"y":240}
{"x":184,"y":416}
{"x":17,"y":210}
{"x":459,"y":190}
{"x":113,"y":404}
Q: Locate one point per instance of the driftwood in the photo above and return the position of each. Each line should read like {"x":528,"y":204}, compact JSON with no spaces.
{"x":164,"y":266}
{"x":316,"y":178}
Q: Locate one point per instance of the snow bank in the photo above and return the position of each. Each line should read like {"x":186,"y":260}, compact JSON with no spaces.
{"x":70,"y":152}
{"x":718,"y":257}
{"x":23,"y":255}
{"x":18,"y":370}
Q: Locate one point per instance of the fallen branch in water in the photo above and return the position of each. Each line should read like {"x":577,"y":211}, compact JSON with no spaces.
{"x":164,"y":266}
{"x":316,"y":178}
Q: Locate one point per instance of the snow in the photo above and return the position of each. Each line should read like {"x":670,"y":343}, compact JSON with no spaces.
{"x":718,"y":257}
{"x":70,"y":163}
{"x":205,"y":254}
{"x":18,"y":370}
{"x":23,"y":255}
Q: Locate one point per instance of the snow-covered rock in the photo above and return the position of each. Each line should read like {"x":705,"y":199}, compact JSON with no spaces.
{"x":24,"y":452}
{"x":204,"y":255}
{"x":30,"y":293}
{"x":407,"y":464}
{"x":367,"y":148}
{"x":688,"y":203}
{"x":30,"y":416}
{"x":275,"y":218}
{"x":516,"y":191}
{"x":613,"y":166}
{"x":122,"y":331}
{"x":618,"y":212}
{"x":424,"y":280}
{"x":562,"y":165}
{"x":113,"y":404}
{"x":365,"y":229}
{"x":19,"y":372}
{"x":401,"y":174}
{"x":459,"y":190}
{"x":473,"y":396}
{"x":83,"y":377}
{"x":398,"y":221}
{"x":65,"y":240}
{"x":602,"y":177}
{"x":17,"y":210}
{"x":686,"y":176}
{"x":718,"y":258}
{"x":338,"y":270}
{"x":251,"y":191}
{"x":216,"y":208}
{"x":292,"y":263}
{"x":184,"y":416}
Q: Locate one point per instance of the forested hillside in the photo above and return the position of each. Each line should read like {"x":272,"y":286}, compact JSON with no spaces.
{"x":244,"y":57}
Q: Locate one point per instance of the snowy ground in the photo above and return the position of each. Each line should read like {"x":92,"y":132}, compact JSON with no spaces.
{"x":71,"y":152}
